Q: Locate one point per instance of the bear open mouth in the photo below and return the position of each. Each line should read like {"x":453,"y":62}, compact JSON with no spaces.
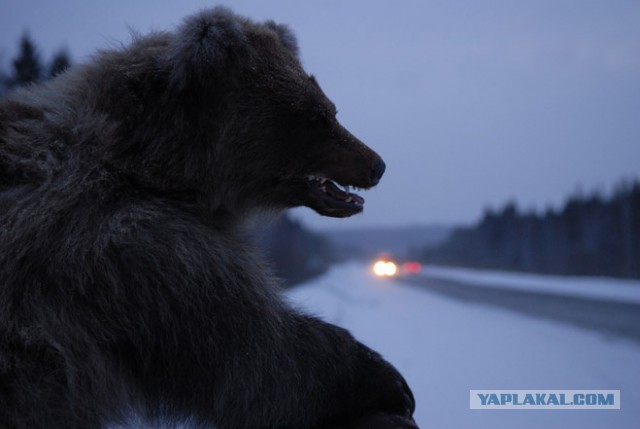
{"x":330,"y":198}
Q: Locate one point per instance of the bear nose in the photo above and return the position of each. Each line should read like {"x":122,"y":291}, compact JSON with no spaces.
{"x":377,"y":172}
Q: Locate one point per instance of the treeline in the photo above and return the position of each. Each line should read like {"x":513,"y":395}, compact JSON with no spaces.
{"x":28,"y":67}
{"x":296,"y":253}
{"x":590,"y":235}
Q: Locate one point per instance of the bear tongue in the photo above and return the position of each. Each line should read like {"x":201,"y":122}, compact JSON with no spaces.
{"x":330,"y":188}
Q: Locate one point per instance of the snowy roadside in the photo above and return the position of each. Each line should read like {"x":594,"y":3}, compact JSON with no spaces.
{"x":589,"y":287}
{"x":446,"y":347}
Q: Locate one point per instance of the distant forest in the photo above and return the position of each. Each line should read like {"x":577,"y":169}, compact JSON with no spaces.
{"x":590,"y":235}
{"x":27,"y":67}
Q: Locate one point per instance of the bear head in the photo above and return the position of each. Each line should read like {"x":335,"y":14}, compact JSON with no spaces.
{"x":222,"y":109}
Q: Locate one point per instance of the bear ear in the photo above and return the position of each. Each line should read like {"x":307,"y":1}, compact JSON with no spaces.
{"x":203,"y":46}
{"x":286,"y":36}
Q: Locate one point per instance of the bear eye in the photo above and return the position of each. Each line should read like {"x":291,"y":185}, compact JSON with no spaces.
{"x":323,"y":113}
{"x":318,"y":117}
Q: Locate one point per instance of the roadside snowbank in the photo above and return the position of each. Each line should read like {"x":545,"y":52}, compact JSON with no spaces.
{"x":589,"y":287}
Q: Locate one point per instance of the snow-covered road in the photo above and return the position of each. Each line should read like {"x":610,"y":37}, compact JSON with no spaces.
{"x":445,"y":347}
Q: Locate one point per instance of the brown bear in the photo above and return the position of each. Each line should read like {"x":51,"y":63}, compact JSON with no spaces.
{"x":128,"y":285}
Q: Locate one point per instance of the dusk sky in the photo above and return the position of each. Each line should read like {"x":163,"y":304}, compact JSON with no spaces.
{"x":471,"y":103}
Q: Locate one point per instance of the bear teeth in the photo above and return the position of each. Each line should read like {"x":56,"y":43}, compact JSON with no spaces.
{"x":322,"y":181}
{"x":340,"y":192}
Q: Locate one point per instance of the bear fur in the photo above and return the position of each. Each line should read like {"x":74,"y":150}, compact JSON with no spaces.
{"x":127,"y":281}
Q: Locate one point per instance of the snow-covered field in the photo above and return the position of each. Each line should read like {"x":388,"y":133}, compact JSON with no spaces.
{"x":446,"y":347}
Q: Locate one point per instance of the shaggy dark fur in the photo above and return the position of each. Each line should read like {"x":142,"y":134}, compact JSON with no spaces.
{"x":126,"y":283}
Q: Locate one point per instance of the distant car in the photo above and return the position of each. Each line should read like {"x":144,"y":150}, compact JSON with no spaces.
{"x":411,"y":267}
{"x":384,"y":266}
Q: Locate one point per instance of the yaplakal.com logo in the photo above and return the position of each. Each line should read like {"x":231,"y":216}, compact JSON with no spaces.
{"x":544,"y":399}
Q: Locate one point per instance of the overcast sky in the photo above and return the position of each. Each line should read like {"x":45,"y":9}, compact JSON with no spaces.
{"x":471,"y":103}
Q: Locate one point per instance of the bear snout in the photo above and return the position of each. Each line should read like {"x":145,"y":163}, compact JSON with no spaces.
{"x":353,"y":162}
{"x":377,"y":171}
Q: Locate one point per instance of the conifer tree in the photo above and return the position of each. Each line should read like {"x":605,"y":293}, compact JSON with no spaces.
{"x":26,"y":66}
{"x":59,"y":63}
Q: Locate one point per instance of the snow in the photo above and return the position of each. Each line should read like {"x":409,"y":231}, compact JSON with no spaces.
{"x":589,"y":287}
{"x":446,"y":347}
